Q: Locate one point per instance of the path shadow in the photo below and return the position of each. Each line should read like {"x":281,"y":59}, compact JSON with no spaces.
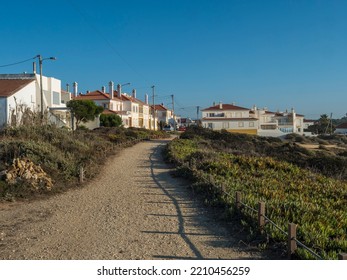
{"x":231,"y":236}
{"x":155,"y":163}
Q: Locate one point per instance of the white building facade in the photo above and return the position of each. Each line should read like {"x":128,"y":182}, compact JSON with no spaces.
{"x":252,"y":121}
{"x":19,"y":92}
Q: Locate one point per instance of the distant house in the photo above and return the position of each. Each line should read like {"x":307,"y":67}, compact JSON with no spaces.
{"x":252,"y":121}
{"x":20,"y":92}
{"x":163,"y":114}
{"x":341,"y":128}
{"x":133,"y":112}
{"x":16,"y":91}
{"x":140,"y":111}
{"x":308,"y":123}
{"x":290,"y":122}
{"x":186,"y":122}
{"x":229,"y":117}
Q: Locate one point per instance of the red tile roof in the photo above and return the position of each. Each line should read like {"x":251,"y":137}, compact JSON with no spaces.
{"x":306,"y":120}
{"x":132,"y":99}
{"x":226,"y":107}
{"x":287,"y":115}
{"x":9,"y":87}
{"x":342,"y":125}
{"x":160,"y":107}
{"x":96,"y":95}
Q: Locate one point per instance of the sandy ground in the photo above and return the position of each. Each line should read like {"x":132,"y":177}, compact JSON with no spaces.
{"x":134,"y":209}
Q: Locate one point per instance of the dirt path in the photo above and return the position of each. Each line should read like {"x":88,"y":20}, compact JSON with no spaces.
{"x":134,"y":210}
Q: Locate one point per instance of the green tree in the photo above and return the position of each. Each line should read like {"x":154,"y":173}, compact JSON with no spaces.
{"x":84,"y":110}
{"x":110,"y":120}
{"x":323,"y":126}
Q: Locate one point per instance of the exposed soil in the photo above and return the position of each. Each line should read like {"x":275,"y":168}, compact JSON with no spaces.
{"x":134,"y":209}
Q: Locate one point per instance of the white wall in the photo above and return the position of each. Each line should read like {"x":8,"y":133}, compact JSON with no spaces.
{"x":25,"y":96}
{"x":341,"y":130}
{"x":49,"y":85}
{"x":228,"y":124}
{"x":3,"y":111}
{"x":146,"y":116}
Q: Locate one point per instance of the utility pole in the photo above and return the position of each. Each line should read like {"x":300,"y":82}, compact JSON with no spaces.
{"x":197,"y":114}
{"x":153,"y":112}
{"x":41,"y":85}
{"x":173,"y":111}
{"x":330,"y":123}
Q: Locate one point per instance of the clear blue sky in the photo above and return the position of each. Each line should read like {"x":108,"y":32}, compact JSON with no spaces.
{"x":278,"y":54}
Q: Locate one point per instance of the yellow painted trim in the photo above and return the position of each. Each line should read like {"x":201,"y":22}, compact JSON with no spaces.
{"x":245,"y":131}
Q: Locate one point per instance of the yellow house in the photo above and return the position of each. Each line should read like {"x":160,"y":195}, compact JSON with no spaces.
{"x":229,"y":117}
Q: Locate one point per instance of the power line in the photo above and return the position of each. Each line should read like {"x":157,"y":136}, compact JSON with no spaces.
{"x":20,"y":62}
{"x":87,"y":20}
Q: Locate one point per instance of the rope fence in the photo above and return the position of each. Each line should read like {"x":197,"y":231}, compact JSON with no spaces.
{"x":292,"y":241}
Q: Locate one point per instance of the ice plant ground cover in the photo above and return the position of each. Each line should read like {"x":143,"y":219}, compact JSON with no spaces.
{"x":315,"y":202}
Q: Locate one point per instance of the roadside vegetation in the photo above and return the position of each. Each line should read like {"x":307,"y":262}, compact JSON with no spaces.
{"x":59,"y":153}
{"x":306,"y":187}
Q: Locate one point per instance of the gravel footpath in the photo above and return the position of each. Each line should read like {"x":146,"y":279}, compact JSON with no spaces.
{"x":134,"y":209}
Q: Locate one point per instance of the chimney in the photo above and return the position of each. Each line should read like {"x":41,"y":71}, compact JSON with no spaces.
{"x":146,"y":98}
{"x":220,"y":105}
{"x":34,"y":67}
{"x":294,"y":121}
{"x":111,"y":89}
{"x":87,"y":92}
{"x":103,"y":89}
{"x":67,"y":87}
{"x":134,"y":93}
{"x":75,"y":88}
{"x":119,"y":90}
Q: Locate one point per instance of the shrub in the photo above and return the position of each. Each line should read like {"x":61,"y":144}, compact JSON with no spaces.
{"x":292,"y":194}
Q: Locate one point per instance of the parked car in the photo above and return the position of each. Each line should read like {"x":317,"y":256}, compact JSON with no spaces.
{"x":168,"y":128}
{"x":182,"y":128}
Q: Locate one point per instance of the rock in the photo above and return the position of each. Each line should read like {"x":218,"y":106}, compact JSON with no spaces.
{"x":26,"y":171}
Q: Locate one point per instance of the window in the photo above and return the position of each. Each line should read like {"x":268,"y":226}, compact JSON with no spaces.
{"x":225,"y":125}
{"x":56,"y":98}
{"x":241,"y":124}
{"x":210,"y":125}
{"x":251,"y":124}
{"x":105,"y":105}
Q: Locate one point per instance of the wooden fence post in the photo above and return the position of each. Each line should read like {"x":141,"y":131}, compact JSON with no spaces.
{"x":292,"y":246}
{"x":238,"y":197}
{"x":81,"y":174}
{"x":343,"y":256}
{"x":261,"y":216}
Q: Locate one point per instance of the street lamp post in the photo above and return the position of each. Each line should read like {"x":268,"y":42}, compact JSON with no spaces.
{"x":41,"y":87}
{"x":153,"y":112}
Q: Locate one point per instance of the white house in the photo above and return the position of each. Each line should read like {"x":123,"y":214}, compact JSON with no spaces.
{"x":341,"y":128}
{"x":163,"y":115}
{"x":252,"y":121}
{"x":19,"y":92}
{"x":229,"y":117}
{"x":134,"y":112}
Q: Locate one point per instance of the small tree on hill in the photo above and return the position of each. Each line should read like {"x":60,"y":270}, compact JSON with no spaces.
{"x":84,"y":110}
{"x":110,"y":120}
{"x":322,"y":126}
